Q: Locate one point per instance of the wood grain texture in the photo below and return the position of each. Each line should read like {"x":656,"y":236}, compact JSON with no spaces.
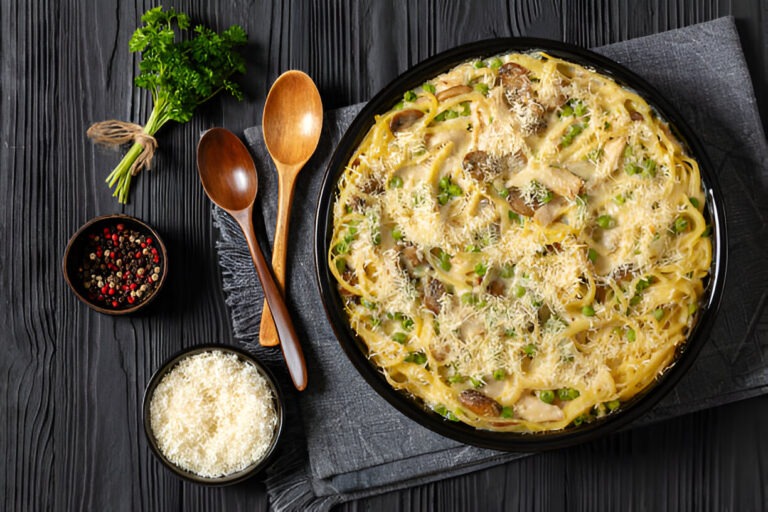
{"x":71,"y":381}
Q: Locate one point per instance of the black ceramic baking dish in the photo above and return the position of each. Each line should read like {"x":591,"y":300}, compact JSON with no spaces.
{"x":355,"y":348}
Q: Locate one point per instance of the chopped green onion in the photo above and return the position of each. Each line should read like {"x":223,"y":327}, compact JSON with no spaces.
{"x":456,"y":379}
{"x":451,"y":114}
{"x":472,"y":248}
{"x":581,"y":418}
{"x":530,"y":350}
{"x":681,"y":224}
{"x":376,"y":238}
{"x":706,"y":232}
{"x":445,"y":260}
{"x":482,"y":88}
{"x":519,"y":291}
{"x":507,"y":412}
{"x":444,"y":182}
{"x":397,"y":234}
{"x":536,"y":302}
{"x":368,"y":304}
{"x":612,"y":405}
{"x":399,"y":337}
{"x":592,"y":255}
{"x":635,"y":300}
{"x":375,"y":321}
{"x":568,"y":394}
{"x":566,"y":111}
{"x":571,"y":133}
{"x":454,"y":190}
{"x":650,"y":168}
{"x":416,"y":358}
{"x":465,"y":110}
{"x":606,"y":222}
{"x":547,"y":396}
{"x":481,"y":269}
{"x":476,"y":383}
{"x":341,"y":265}
{"x":588,"y":311}
{"x":513,"y":216}
{"x":341,"y":248}
{"x":441,"y":116}
{"x":692,"y":307}
{"x":499,"y":374}
{"x":579,"y":108}
{"x":631,"y":168}
{"x":407,"y":324}
{"x":694,"y":202}
{"x":395,"y":182}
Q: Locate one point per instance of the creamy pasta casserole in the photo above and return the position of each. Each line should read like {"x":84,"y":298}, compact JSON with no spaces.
{"x":520,"y":244}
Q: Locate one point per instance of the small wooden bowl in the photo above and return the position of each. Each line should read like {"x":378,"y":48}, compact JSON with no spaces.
{"x":73,"y":257}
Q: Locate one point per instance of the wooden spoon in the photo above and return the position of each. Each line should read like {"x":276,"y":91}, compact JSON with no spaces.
{"x":292,"y":121}
{"x":229,"y":178}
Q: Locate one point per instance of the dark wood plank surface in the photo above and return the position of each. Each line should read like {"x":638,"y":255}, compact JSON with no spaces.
{"x":71,"y":381}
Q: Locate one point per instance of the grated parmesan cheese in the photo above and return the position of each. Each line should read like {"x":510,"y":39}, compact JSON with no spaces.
{"x":213,"y":414}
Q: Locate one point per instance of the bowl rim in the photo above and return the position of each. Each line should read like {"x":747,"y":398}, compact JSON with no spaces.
{"x":232,"y":478}
{"x":354,"y":347}
{"x":75,"y":238}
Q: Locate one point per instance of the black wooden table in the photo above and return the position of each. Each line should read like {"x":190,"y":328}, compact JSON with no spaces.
{"x":71,"y":380}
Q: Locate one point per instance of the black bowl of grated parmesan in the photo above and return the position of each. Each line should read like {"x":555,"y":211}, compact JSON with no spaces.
{"x":213,"y":415}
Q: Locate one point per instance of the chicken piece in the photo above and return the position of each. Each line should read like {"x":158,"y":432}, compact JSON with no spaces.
{"x":530,"y":408}
{"x":551,"y":211}
{"x":479,"y":404}
{"x":560,"y":181}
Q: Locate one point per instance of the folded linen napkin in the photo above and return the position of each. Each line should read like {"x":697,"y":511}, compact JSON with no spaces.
{"x":346,"y":442}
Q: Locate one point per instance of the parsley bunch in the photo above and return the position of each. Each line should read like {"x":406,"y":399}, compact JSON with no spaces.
{"x":180,"y":73}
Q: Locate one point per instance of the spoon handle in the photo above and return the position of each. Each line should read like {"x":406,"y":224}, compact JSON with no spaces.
{"x":267,"y":333}
{"x":289,"y":342}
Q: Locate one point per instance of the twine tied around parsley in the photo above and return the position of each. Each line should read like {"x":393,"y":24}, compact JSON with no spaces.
{"x":114,"y":133}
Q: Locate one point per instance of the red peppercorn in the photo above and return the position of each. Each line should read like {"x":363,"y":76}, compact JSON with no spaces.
{"x":104,"y":289}
{"x":137,"y":255}
{"x":120,"y":227}
{"x":143,"y":245}
{"x":149,"y":241}
{"x":106,"y":231}
{"x":133,"y":286}
{"x":131,"y":300}
{"x":154,"y":251}
{"x":114,"y":303}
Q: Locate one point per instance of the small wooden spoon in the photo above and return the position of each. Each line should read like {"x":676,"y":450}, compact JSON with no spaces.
{"x":229,"y":178}
{"x":292,"y":121}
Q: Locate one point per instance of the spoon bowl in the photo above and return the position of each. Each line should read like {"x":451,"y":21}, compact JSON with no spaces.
{"x":292,"y":122}
{"x":293,"y":118}
{"x":227,"y":170}
{"x":229,"y":178}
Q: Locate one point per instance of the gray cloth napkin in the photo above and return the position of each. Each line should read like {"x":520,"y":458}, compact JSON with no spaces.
{"x":345,"y":442}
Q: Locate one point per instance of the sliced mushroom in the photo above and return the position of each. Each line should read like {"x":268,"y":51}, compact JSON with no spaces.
{"x":480,"y":165}
{"x":453,"y":91}
{"x":479,"y":404}
{"x":530,"y":408}
{"x":404,"y":119}
{"x":517,"y":204}
{"x":434,"y":291}
{"x":633,"y":114}
{"x":410,"y":259}
{"x":497,"y":288}
{"x":551,"y":211}
{"x":514,"y":77}
{"x":372,"y":186}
